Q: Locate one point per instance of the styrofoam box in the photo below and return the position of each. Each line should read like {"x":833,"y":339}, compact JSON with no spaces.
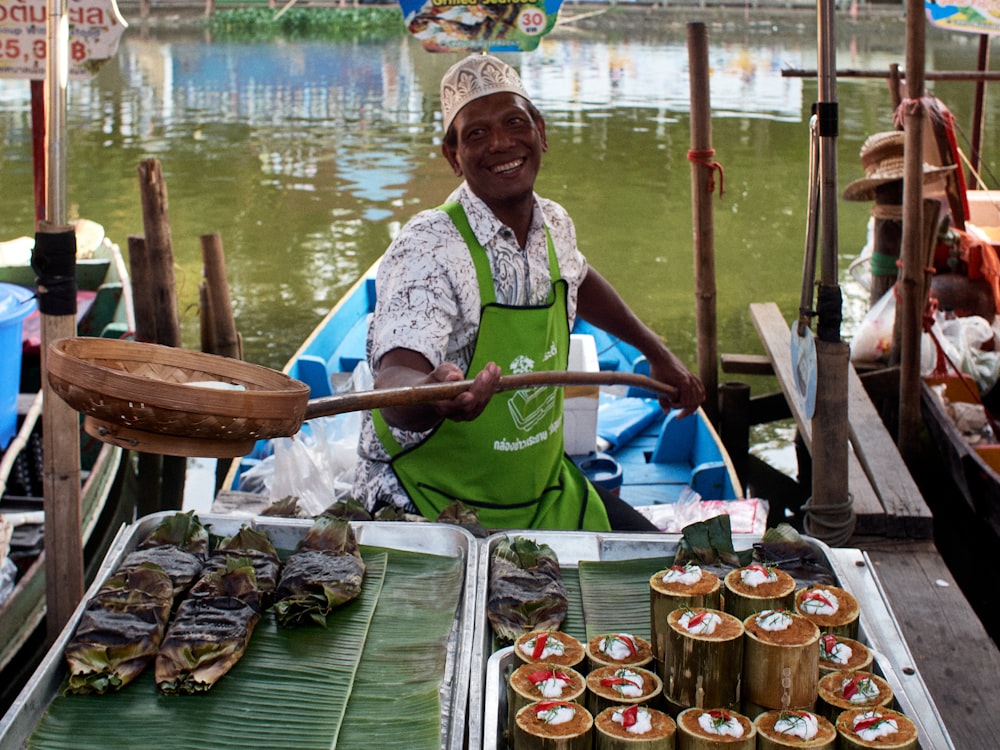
{"x":580,"y":405}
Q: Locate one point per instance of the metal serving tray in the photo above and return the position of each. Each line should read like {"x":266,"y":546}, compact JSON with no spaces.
{"x":446,"y":540}
{"x":877,"y":628}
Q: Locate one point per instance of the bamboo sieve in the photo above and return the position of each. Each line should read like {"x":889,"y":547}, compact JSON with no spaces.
{"x":161,"y":399}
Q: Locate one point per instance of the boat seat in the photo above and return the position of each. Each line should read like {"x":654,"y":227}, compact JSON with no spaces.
{"x":311,"y":370}
{"x":352,"y":350}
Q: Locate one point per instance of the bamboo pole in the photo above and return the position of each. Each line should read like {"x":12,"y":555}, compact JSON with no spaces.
{"x":979,"y":109}
{"x":911,"y":282}
{"x":225,"y":339}
{"x":54,"y":259}
{"x":702,"y":186}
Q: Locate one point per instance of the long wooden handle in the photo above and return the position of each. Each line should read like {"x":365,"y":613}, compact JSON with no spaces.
{"x":422,"y":394}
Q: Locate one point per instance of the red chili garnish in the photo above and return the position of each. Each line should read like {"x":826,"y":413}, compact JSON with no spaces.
{"x":697,"y":619}
{"x":868,"y":723}
{"x":678,"y":568}
{"x":759,"y":567}
{"x":717,"y":714}
{"x":817,"y":596}
{"x":630,"y":716}
{"x":851,"y":688}
{"x":548,"y":674}
{"x":829,"y":643}
{"x":540,"y":640}
{"x":628,"y":642}
{"x":549,"y":705}
{"x":612,"y":681}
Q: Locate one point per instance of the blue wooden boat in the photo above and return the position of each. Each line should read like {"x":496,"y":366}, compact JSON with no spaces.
{"x":650,"y":458}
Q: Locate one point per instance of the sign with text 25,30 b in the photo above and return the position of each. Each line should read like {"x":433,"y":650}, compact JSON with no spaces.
{"x":471,"y":25}
{"x":95,"y":26}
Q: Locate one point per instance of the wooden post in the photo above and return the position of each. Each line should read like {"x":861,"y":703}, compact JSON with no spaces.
{"x":702,"y":182}
{"x":888,"y":232}
{"x":226,"y":340}
{"x":161,"y":303}
{"x":734,"y":426}
{"x":909,"y":310}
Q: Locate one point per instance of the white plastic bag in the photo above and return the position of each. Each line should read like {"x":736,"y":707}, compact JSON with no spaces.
{"x":872,"y":341}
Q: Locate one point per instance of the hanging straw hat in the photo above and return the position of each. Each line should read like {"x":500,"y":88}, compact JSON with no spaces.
{"x":882,"y":159}
{"x":474,"y":77}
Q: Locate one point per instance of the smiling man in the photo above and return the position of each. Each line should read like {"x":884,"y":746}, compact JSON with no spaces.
{"x":491,"y":282}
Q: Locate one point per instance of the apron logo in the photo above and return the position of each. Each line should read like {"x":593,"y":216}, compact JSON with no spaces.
{"x":530,"y":406}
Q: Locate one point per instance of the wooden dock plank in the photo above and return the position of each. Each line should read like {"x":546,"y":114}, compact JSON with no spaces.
{"x":776,"y":337}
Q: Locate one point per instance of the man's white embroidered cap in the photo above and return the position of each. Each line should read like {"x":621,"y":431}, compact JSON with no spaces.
{"x":474,"y":77}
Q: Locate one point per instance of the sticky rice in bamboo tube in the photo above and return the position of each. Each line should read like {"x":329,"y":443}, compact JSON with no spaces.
{"x":883,"y":728}
{"x":837,"y":652}
{"x":549,"y":646}
{"x":618,"y":686}
{"x":780,"y":661}
{"x":553,"y":725}
{"x":634,"y":728}
{"x":833,"y":609}
{"x":679,"y":586}
{"x":618,"y":650}
{"x":538,"y":682}
{"x":714,"y":729}
{"x":784,"y":729}
{"x":702,"y":660}
{"x":755,"y":588}
{"x":839,"y":691}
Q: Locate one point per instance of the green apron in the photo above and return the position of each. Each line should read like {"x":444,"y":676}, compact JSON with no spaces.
{"x":509,"y":463}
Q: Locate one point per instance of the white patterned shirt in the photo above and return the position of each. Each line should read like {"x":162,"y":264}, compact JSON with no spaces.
{"x":428,"y":301}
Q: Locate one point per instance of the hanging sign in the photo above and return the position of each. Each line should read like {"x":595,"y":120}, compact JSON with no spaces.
{"x":973,"y":16}
{"x":95,"y":26}
{"x":472,"y":25}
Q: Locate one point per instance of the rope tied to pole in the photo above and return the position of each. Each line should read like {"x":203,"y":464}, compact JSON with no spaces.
{"x":704,"y":157}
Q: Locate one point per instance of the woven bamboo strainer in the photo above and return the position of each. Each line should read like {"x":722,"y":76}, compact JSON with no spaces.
{"x":160,"y":399}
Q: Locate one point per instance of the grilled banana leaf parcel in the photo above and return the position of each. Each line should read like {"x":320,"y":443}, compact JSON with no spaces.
{"x":120,"y":630}
{"x":526,"y":590}
{"x":210,"y":631}
{"x":325,"y":571}
{"x":179,"y":545}
{"x":249,"y":544}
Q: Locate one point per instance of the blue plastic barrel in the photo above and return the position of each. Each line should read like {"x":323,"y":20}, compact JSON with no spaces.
{"x":16,"y":304}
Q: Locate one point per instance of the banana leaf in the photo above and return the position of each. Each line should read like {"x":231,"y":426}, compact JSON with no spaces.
{"x":289,"y":691}
{"x":120,"y":631}
{"x":615,"y":595}
{"x":182,"y":530}
{"x":525,"y":588}
{"x":254,"y":546}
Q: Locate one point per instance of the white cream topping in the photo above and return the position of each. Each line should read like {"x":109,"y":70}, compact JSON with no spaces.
{"x":552,"y":687}
{"x":756,"y":575}
{"x":552,"y":647}
{"x":867,"y":690}
{"x":630,"y":689}
{"x":702,"y":623}
{"x":773,"y":620}
{"x":643,"y":720}
{"x":688,"y":575}
{"x":840,"y":653}
{"x":721,"y":724}
{"x":555,"y":714}
{"x":616,"y":647}
{"x":881,"y":728}
{"x":819,"y":602}
{"x":797,"y":724}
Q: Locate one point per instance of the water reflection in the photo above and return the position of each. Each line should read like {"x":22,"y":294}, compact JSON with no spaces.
{"x":306,"y":158}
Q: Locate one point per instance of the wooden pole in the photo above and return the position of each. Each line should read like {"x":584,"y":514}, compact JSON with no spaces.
{"x":54,"y":260}
{"x":911,"y":278}
{"x":162,"y":303}
{"x":702,"y":185}
{"x":979,"y":109}
{"x":225,"y":339}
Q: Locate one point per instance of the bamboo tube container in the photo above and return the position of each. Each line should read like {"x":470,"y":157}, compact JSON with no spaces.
{"x":652,"y":729}
{"x":756,"y":588}
{"x":780,"y":661}
{"x":618,"y":650}
{"x":530,"y":683}
{"x":621,"y":686}
{"x":833,"y":609}
{"x":839,"y":653}
{"x":902,"y":734}
{"x":535,"y":727}
{"x":700,"y":729}
{"x":550,"y":647}
{"x":703,"y":659}
{"x":677,"y":587}
{"x":779,"y":730}
{"x":840,"y":691}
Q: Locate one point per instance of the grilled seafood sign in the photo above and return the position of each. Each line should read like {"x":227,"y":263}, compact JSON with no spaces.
{"x":488,"y":25}
{"x":95,"y":26}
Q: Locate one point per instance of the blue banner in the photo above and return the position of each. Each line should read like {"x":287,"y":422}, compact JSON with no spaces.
{"x":475,"y":25}
{"x":975,"y":16}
